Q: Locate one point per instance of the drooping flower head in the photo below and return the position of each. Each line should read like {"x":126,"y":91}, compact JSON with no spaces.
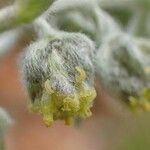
{"x":123,"y":67}
{"x":58,"y":73}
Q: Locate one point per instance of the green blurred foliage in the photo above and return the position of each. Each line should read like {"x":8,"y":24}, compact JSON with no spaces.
{"x":30,"y":9}
{"x":136,"y":134}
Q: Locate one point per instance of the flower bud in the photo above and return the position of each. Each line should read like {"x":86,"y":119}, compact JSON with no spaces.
{"x":120,"y":67}
{"x":58,"y":73}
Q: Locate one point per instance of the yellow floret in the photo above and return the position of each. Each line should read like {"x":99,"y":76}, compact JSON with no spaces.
{"x":54,"y":106}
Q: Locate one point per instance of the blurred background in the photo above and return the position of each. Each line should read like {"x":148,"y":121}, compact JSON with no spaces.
{"x":110,"y":125}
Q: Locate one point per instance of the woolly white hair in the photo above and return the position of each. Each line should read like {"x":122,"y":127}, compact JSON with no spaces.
{"x":55,"y":59}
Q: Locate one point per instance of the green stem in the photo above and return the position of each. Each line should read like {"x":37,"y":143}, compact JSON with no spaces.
{"x":22,"y":12}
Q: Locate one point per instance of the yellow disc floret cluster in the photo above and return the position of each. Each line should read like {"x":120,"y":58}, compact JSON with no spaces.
{"x":142,"y":102}
{"x":66,"y":107}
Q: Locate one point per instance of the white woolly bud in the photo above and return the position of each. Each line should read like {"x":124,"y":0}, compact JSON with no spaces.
{"x":120,"y":66}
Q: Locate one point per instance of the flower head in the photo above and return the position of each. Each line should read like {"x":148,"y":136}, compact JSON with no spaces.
{"x":59,"y":76}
